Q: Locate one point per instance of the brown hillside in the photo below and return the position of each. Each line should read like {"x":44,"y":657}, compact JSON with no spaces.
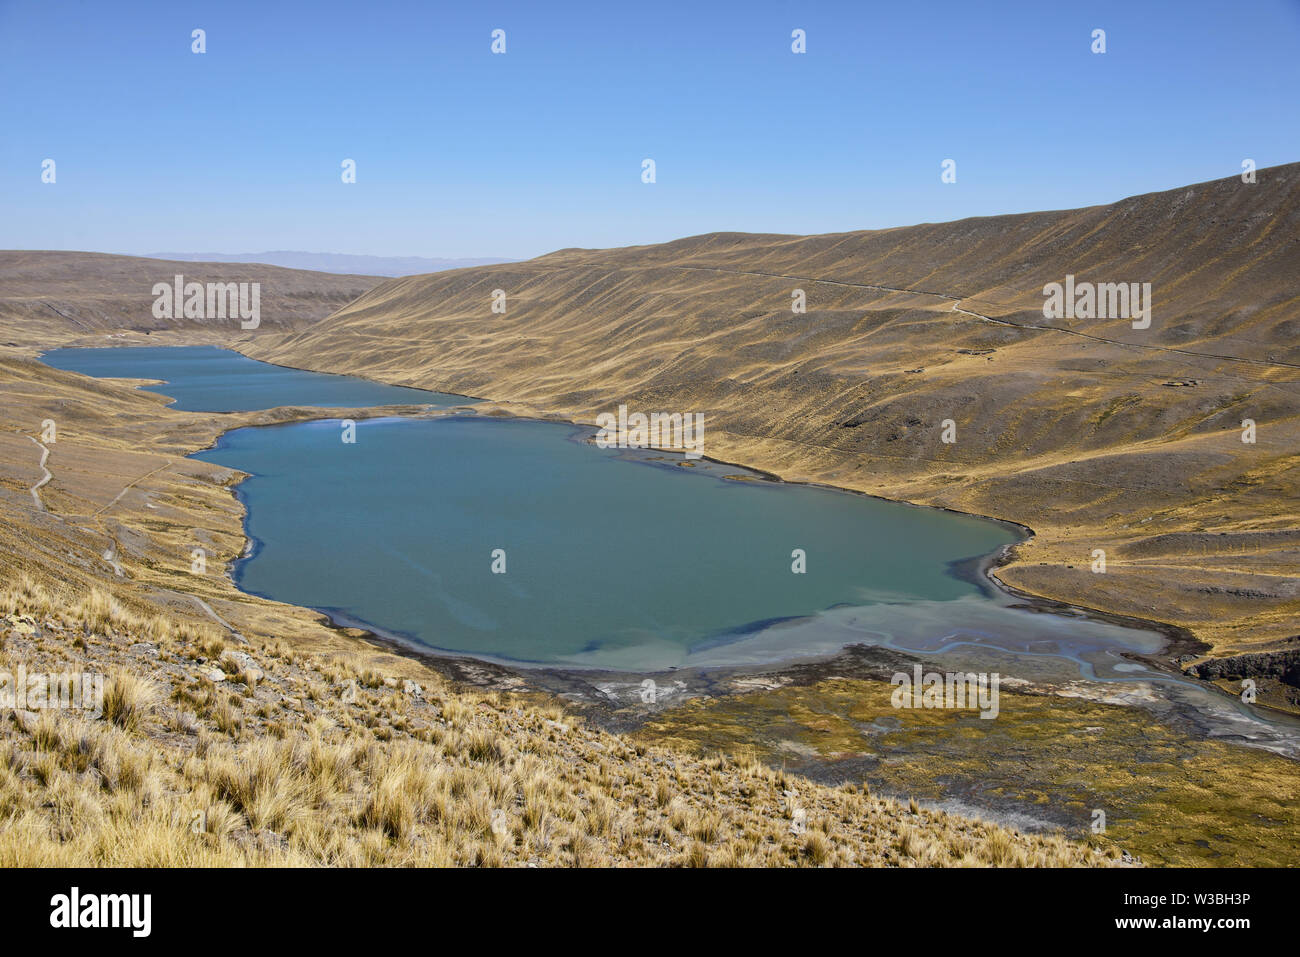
{"x":62,"y":292}
{"x":1093,"y":433}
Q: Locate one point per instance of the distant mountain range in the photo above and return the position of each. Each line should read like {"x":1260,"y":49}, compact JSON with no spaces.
{"x":336,"y":262}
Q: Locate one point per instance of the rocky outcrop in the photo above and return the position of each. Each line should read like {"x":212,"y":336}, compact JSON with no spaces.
{"x":1283,"y":665}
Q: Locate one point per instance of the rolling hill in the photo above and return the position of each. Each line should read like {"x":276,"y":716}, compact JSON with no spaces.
{"x":1093,"y":433}
{"x":47,"y":293}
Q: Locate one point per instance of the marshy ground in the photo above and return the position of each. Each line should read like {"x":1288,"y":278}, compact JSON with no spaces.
{"x":1045,"y":763}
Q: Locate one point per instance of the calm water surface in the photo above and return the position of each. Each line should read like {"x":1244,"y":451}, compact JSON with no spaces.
{"x":608,"y":560}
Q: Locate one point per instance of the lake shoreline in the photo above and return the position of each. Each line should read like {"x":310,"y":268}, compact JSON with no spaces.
{"x":580,"y":692}
{"x":980,"y":571}
{"x":1180,"y":642}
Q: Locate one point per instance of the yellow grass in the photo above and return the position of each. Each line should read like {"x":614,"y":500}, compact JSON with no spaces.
{"x":168,"y":777}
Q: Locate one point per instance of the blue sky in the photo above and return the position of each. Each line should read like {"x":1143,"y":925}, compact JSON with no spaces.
{"x":461,"y":152}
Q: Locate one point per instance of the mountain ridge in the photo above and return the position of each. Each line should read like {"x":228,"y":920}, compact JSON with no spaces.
{"x":345,"y":263}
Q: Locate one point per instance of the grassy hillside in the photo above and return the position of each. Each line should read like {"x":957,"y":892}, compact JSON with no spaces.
{"x":238,"y":730}
{"x":215,"y":753}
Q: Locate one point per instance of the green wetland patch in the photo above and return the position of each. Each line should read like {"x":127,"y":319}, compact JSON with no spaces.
{"x":1046,"y":762}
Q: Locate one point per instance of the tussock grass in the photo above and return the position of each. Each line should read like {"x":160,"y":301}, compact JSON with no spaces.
{"x":185,"y":770}
{"x":127,"y":698}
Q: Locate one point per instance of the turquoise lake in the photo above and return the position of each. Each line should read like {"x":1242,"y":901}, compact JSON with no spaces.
{"x":619,"y":560}
{"x":607,"y":560}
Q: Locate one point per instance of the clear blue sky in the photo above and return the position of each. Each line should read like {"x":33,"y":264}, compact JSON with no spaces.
{"x":463,"y":153}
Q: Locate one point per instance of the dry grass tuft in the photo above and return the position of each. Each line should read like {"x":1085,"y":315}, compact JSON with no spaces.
{"x":127,"y":698}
